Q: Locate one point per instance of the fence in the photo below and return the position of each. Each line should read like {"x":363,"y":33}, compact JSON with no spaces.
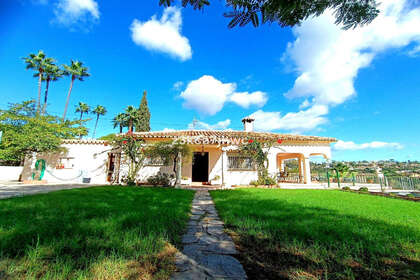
{"x":404,"y":183}
{"x":395,"y":182}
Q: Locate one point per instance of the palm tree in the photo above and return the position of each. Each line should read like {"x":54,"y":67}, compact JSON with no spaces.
{"x":51,"y":74}
{"x":120,"y":120}
{"x":77,"y":71}
{"x":132,"y":113}
{"x":36,"y":62}
{"x":99,"y":111}
{"x":82,"y":108}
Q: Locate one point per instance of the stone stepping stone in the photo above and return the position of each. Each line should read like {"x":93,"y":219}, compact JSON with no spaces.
{"x":208,"y":250}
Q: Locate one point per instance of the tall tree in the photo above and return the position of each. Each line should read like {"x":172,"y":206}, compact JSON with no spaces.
{"x":51,"y":73}
{"x":82,"y":108}
{"x":37,"y":62}
{"x":143,"y":118}
{"x":99,"y":111}
{"x":75,"y":70}
{"x":120,"y":121}
{"x":291,"y":12}
{"x":131,"y":113}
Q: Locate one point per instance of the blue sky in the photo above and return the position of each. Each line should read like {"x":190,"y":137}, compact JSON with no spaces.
{"x":360,"y":86}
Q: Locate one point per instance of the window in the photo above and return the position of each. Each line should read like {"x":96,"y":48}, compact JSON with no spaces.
{"x":155,"y":161}
{"x":65,"y":163}
{"x":236,"y":162}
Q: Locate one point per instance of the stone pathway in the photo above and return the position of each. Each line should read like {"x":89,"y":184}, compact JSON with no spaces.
{"x":208,"y":249}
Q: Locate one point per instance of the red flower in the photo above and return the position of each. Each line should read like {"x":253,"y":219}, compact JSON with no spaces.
{"x":279,"y":141}
{"x":125,"y":142}
{"x":250,"y":141}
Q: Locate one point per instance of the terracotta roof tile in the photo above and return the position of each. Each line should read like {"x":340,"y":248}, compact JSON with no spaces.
{"x":231,"y":134}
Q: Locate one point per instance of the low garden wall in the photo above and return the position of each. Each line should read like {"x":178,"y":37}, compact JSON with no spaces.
{"x":10,"y":173}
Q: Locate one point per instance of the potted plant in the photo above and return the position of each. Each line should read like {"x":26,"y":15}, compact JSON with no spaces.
{"x":185,"y":180}
{"x":215,"y":180}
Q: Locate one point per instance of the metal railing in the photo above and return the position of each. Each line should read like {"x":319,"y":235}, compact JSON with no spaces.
{"x":395,"y":182}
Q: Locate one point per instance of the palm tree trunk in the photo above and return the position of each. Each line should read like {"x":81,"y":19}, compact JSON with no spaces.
{"x":81,"y":116}
{"x":68,"y":98}
{"x":38,"y":106}
{"x":121,"y":129}
{"x":96,"y":124}
{"x":130,"y":125}
{"x":44,"y":108}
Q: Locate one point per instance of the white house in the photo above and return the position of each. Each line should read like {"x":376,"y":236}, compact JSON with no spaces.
{"x":215,"y":158}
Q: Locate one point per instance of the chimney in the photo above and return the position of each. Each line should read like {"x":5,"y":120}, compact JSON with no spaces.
{"x":248,"y":124}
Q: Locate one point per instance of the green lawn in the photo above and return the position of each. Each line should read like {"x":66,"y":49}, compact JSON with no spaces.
{"x":317,"y":234}
{"x":93,"y":233}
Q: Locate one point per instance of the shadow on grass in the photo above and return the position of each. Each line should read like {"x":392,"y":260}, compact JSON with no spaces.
{"x":84,"y":232}
{"x":283,"y":238}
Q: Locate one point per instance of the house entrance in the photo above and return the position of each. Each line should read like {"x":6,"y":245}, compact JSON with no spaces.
{"x":200,"y":167}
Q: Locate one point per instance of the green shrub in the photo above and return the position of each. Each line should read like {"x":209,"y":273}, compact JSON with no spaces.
{"x":410,"y":195}
{"x":160,"y":179}
{"x":253,"y":183}
{"x":217,"y":177}
{"x":363,"y":189}
{"x":266,"y":181}
{"x":346,"y":188}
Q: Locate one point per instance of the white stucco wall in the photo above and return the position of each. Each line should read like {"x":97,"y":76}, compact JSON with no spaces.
{"x":88,"y":160}
{"x":10,"y":173}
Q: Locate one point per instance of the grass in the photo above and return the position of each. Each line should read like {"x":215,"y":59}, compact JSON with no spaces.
{"x":322,"y":234}
{"x":93,"y":233}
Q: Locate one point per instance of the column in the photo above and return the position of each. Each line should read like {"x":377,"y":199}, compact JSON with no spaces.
{"x":178,"y":170}
{"x":307,"y":170}
{"x":224,"y":166}
{"x":300,"y":170}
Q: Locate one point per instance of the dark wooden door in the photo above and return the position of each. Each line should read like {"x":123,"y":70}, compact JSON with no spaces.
{"x":200,"y":167}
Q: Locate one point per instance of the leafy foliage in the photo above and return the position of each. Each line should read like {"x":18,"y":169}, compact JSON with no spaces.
{"x":25,"y":132}
{"x":120,"y":121}
{"x":169,"y":151}
{"x":258,"y":151}
{"x":134,"y":155}
{"x":290,"y":13}
{"x":160,"y":179}
{"x":82,"y":108}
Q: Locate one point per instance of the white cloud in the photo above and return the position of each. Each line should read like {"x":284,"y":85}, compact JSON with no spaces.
{"x":73,"y":12}
{"x":178,"y":85}
{"x":328,"y":58}
{"x":245,"y":99}
{"x":296,"y":122}
{"x":349,"y":145}
{"x":163,"y":35}
{"x":208,"y":95}
{"x":168,"y":129}
{"x":222,"y":125}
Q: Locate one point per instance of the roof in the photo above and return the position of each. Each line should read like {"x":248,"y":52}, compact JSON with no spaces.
{"x":229,"y":134}
{"x":85,"y":141}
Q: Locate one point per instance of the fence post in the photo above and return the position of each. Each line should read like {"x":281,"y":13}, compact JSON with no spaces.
{"x":338,"y":177}
{"x":328,"y":178}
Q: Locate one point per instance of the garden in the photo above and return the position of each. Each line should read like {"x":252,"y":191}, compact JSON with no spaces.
{"x":322,"y":234}
{"x":93,"y":233}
